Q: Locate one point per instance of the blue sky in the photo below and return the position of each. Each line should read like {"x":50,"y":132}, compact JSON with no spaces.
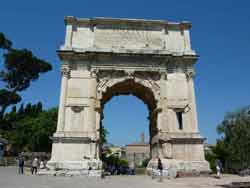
{"x":220,"y":34}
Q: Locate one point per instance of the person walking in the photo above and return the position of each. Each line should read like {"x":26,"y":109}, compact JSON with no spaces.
{"x":160,"y":168}
{"x":35,"y":165}
{"x":219,"y":168}
{"x":20,"y":164}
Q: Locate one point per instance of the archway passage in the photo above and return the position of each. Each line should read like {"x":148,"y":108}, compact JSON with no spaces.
{"x":126,"y":126}
{"x":125,"y":118}
{"x":144,"y":94}
{"x":130,"y":87}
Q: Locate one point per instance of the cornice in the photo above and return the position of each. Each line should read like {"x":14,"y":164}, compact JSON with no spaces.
{"x":71,"y":20}
{"x":68,"y":55}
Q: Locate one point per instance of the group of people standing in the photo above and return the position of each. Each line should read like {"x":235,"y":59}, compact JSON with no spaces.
{"x":34,"y":165}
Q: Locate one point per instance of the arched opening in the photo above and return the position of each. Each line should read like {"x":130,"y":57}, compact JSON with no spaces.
{"x":125,"y":119}
{"x":138,"y":91}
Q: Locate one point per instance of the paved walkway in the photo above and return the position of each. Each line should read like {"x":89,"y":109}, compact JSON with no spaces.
{"x":10,"y":179}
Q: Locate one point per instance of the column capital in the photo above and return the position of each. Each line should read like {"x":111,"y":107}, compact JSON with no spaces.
{"x":163,"y":75}
{"x":190,"y":74}
{"x":94,"y":73}
{"x":65,"y":72}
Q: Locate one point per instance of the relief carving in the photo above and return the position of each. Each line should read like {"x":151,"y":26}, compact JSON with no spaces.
{"x":190,"y":74}
{"x":167,"y":150}
{"x":130,"y":74}
{"x":107,"y":78}
{"x":77,"y":109}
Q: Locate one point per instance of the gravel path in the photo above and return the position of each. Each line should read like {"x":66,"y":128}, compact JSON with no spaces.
{"x":10,"y":179}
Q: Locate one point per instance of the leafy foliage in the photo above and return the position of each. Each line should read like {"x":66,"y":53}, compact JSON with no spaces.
{"x":113,"y":160}
{"x":4,"y":42}
{"x":8,"y":98}
{"x":30,"y":128}
{"x":233,"y":148}
{"x":20,"y":68}
{"x":145,"y":162}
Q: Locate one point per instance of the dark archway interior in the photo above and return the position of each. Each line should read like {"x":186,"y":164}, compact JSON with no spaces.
{"x":130,"y":87}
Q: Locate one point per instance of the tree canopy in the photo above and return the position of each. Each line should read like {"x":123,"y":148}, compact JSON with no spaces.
{"x":30,"y":128}
{"x":4,"y":42}
{"x":233,"y":147}
{"x":20,"y":68}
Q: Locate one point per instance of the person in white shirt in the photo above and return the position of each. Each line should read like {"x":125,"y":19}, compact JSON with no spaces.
{"x":35,"y":165}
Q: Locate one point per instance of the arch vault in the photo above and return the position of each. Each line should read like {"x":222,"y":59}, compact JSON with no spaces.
{"x":151,"y":59}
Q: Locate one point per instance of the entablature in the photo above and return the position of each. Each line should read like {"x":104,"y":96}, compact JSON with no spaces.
{"x":129,"y":56}
{"x":122,"y":36}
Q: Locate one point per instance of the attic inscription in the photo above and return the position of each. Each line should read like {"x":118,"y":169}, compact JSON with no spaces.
{"x":128,"y":38}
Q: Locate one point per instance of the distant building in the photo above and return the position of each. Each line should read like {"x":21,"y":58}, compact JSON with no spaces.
{"x":136,"y":152}
{"x":110,"y":149}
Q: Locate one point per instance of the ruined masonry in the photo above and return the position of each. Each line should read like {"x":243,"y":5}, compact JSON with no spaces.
{"x":150,"y":59}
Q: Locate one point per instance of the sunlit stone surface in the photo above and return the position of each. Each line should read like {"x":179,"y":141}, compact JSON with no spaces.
{"x":151,"y":59}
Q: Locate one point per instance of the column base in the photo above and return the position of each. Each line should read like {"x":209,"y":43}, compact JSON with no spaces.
{"x":177,"y":168}
{"x":91,"y":167}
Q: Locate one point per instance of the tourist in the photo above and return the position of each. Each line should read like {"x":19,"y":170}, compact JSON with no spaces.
{"x":160,"y":168}
{"x":219,"y":168}
{"x":35,"y":164}
{"x":103,"y":170}
{"x":89,"y":170}
{"x":20,"y":164}
{"x":42,"y":165}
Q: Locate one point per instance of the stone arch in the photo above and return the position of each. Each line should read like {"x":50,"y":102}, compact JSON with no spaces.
{"x":142,"y":89}
{"x":147,"y":83}
{"x":109,"y":62}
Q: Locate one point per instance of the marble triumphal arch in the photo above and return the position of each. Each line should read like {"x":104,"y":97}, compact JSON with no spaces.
{"x":151,"y":59}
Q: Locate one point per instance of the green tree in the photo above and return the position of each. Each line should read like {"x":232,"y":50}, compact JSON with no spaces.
{"x":20,"y":68}
{"x":233,"y":148}
{"x":30,"y":131}
{"x":114,"y":160}
{"x":4,"y":42}
{"x":42,"y":128}
{"x":145,"y":162}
